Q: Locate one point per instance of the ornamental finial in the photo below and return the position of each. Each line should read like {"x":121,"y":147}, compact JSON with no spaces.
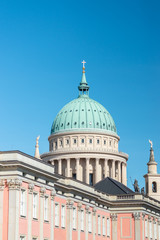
{"x":151,"y":143}
{"x":37,"y":155}
{"x":83,"y":62}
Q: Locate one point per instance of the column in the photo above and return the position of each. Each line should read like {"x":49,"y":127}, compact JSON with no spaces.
{"x":2,"y":185}
{"x":106,"y":167}
{"x":53,"y":194}
{"x":60,"y":166}
{"x":42,"y":193}
{"x":158,"y":231}
{"x":87,"y":170}
{"x":97,"y":170}
{"x":30,"y":193}
{"x":79,"y":220}
{"x":124,"y":173}
{"x":143,"y":226}
{"x":68,"y":167}
{"x":77,"y":169}
{"x":69,"y":205}
{"x":86,"y":228}
{"x":119,"y":171}
{"x":114,"y":226}
{"x":113,"y":169}
{"x":94,"y":223}
{"x":137,"y":226}
{"x":14,"y":186}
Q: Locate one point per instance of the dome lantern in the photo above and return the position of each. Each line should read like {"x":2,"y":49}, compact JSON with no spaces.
{"x":83,"y":86}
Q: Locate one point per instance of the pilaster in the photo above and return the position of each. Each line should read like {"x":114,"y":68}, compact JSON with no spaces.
{"x":119,"y":171}
{"x":30,"y":193}
{"x":79,"y":219}
{"x":60,"y":166}
{"x":137,"y":226}
{"x":97,"y":170}
{"x":114,"y":225}
{"x":53,"y":194}
{"x":42,"y":193}
{"x":14,"y":186}
{"x":113,"y":169}
{"x":68,"y":167}
{"x":94,"y":223}
{"x":77,"y":169}
{"x":86,"y":228}
{"x":2,"y":185}
{"x":105,"y":167}
{"x":69,"y":205}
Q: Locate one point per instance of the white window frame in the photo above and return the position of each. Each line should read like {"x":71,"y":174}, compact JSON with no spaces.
{"x":63,"y":216}
{"x":46,"y":208}
{"x":99,"y":224}
{"x":150,"y":229}
{"x":35,"y":205}
{"x":74,"y":218}
{"x":155,"y":230}
{"x":146,"y":228}
{"x":108,"y":227}
{"x":82,"y":220}
{"x":56,"y":215}
{"x":103,"y":226}
{"x":23,"y":198}
{"x":89,"y":222}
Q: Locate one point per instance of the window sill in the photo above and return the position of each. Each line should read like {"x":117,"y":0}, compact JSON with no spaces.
{"x":21,"y":216}
{"x":46,"y":221}
{"x":35,"y":219}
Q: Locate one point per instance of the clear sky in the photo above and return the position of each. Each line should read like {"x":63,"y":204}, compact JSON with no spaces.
{"x":42,"y":44}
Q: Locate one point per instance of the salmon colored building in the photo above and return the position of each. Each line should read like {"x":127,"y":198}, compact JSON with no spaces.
{"x":77,"y":190}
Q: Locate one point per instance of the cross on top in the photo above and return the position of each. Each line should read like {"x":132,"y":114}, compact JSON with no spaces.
{"x":83,"y":63}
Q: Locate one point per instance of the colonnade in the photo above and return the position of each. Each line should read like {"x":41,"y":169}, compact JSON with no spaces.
{"x":81,"y":168}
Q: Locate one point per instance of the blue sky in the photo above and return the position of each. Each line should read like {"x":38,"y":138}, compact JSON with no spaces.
{"x":42,"y":44}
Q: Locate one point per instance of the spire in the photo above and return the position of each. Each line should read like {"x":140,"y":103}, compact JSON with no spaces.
{"x":37,"y":155}
{"x":83,"y":87}
{"x":152,"y":165}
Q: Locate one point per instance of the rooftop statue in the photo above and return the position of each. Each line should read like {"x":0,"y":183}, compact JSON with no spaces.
{"x":136,"y":186}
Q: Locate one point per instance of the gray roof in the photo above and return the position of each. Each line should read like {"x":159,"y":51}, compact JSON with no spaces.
{"x":112,"y":187}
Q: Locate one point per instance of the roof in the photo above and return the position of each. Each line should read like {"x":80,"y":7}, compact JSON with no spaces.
{"x":113,"y":187}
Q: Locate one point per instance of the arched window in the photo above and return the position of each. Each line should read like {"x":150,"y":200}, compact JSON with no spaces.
{"x":154,"y":187}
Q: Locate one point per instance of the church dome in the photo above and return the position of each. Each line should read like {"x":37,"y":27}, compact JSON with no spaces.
{"x":83,"y":114}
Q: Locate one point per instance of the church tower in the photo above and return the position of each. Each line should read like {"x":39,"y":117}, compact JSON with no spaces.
{"x":152,"y":179}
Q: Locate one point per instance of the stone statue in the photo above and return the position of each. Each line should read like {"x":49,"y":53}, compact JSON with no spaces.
{"x":142,"y":190}
{"x":37,"y":155}
{"x":136,"y":186}
{"x":151,"y":143}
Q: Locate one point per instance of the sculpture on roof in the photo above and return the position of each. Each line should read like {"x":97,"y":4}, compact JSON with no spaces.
{"x":136,"y":186}
{"x":151,"y":143}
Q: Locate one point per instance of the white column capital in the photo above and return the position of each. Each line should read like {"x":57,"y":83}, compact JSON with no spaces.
{"x":136,"y":215}
{"x":69,"y":204}
{"x":30,"y":188}
{"x":42,"y":191}
{"x":114,"y":216}
{"x":2,"y":184}
{"x":14,"y":184}
{"x":53,"y":194}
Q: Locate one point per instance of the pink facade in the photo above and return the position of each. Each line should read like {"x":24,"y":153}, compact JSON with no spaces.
{"x":50,"y":207}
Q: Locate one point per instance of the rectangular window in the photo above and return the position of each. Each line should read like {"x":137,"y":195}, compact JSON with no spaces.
{"x":104,"y":142}
{"x":56,"y":215}
{"x":74,"y":218}
{"x":146,"y":228}
{"x":74,"y":141}
{"x":82,"y":140}
{"x":108,"y":227}
{"x":150,"y":229}
{"x":90,"y":141}
{"x":90,"y":222}
{"x":46,"y":208}
{"x":99,"y":225}
{"x":82,"y":220}
{"x":23,"y":203}
{"x":74,"y":175}
{"x":97,"y":141}
{"x":91,"y":179}
{"x":67,"y":141}
{"x":103,"y":226}
{"x":35,"y":204}
{"x":63,"y":216}
{"x":155,"y":231}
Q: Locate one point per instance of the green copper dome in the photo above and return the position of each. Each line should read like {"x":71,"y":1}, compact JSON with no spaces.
{"x":83,"y":114}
